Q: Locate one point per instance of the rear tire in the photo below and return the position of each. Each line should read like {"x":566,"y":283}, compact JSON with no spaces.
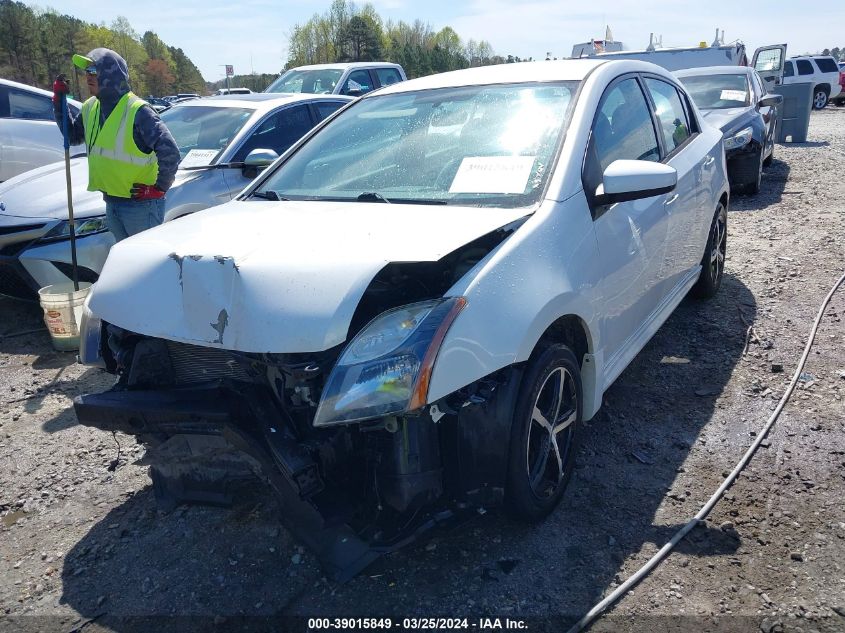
{"x":820,"y":97}
{"x":544,"y":434}
{"x":713,"y":261}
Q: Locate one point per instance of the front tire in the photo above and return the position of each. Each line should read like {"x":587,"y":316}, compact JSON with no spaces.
{"x":713,"y":261}
{"x":544,"y":434}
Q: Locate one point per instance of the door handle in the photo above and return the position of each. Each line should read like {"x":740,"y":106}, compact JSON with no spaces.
{"x":671,"y":200}
{"x":710,"y":160}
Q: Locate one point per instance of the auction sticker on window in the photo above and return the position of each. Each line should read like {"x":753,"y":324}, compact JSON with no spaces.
{"x":492,"y":174}
{"x":198,"y":158}
{"x":733,"y":95}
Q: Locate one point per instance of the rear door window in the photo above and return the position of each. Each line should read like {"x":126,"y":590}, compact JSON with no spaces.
{"x":674,"y":123}
{"x":804,"y":67}
{"x":387,"y":76}
{"x":26,"y":105}
{"x":358,"y":83}
{"x":826,"y":64}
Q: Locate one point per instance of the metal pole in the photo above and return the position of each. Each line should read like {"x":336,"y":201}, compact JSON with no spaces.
{"x":74,"y":267}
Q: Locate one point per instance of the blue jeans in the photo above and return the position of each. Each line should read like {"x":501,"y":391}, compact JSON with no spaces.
{"x":129,"y":217}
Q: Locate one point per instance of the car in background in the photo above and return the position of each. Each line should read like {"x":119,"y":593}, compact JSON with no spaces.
{"x":233,"y":91}
{"x":397,"y":325}
{"x":839,"y":100}
{"x":820,"y":70}
{"x":224,"y":142}
{"x":159,"y":104}
{"x":29,"y":136}
{"x":735,"y":100}
{"x":354,"y":78}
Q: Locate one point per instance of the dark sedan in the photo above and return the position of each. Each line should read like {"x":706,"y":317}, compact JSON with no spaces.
{"x":734,"y":99}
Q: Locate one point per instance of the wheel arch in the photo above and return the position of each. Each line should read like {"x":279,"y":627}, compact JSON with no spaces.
{"x":572,"y":330}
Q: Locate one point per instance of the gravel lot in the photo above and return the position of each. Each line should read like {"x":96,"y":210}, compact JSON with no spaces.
{"x":85,"y":548}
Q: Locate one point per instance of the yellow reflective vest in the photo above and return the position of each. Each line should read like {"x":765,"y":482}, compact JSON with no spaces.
{"x":114,"y":161}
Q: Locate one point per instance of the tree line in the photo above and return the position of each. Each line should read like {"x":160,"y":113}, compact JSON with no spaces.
{"x":837,"y":53}
{"x":36,"y":45}
{"x":349,"y":33}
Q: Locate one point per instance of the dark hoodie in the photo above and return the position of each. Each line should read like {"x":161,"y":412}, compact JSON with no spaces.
{"x":150,"y":133}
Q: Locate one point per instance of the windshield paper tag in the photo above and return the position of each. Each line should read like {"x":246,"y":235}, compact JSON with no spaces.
{"x":733,"y":95}
{"x":198,"y":158}
{"x":492,"y":174}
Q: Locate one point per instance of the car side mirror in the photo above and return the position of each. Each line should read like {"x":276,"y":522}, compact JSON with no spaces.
{"x":260,"y":158}
{"x":625,"y":180}
{"x":770,"y":100}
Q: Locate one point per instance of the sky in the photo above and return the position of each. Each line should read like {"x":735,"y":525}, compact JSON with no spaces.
{"x":252,"y":35}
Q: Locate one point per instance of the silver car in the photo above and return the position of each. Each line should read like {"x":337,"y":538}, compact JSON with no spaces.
{"x":29,"y":136}
{"x":224,"y":142}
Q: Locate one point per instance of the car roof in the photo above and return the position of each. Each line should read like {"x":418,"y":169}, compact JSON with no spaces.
{"x":345,"y":65}
{"x":523,"y":72}
{"x":40,"y":91}
{"x":714,"y":70}
{"x":258,"y":100}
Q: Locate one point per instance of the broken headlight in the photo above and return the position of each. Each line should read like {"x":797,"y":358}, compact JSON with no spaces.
{"x":386,"y":368}
{"x":739,"y":139}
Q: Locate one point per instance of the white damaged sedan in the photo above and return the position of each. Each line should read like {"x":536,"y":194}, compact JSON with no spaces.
{"x":411,"y":313}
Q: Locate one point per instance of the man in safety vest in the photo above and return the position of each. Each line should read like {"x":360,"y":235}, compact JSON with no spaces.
{"x":132,"y":157}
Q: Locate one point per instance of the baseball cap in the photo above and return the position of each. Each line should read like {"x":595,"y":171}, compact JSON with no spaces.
{"x":82,"y":62}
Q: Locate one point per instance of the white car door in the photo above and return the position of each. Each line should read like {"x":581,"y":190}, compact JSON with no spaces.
{"x":769,"y":62}
{"x":684,"y":206}
{"x":631,"y":236}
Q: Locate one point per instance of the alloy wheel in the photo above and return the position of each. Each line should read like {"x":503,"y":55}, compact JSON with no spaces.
{"x":551,"y":433}
{"x":718,"y":249}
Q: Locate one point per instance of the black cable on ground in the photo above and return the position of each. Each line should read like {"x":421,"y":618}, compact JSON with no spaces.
{"x":664,"y":551}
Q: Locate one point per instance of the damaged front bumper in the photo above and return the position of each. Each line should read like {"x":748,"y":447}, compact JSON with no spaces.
{"x":205,"y":439}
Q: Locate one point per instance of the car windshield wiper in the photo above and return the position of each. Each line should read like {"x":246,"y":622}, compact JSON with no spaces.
{"x":268,"y":195}
{"x":372,"y":196}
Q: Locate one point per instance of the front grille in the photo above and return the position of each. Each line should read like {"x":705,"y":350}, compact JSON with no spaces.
{"x":13,"y":283}
{"x":194,"y":364}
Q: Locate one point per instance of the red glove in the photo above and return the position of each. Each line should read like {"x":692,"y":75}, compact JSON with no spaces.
{"x":145,"y":192}
{"x":60,"y":87}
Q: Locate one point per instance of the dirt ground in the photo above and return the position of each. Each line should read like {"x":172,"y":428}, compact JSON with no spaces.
{"x":85,"y":548}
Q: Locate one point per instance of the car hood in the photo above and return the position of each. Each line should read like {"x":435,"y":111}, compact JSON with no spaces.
{"x":282,"y":277}
{"x":727,"y":118}
{"x":42,"y":193}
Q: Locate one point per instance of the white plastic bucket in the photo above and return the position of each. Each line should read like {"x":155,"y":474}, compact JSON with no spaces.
{"x":62,"y":312}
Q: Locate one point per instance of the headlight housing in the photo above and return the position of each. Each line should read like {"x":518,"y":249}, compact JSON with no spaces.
{"x":740,"y":139}
{"x":83,"y":227}
{"x":386,"y":368}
